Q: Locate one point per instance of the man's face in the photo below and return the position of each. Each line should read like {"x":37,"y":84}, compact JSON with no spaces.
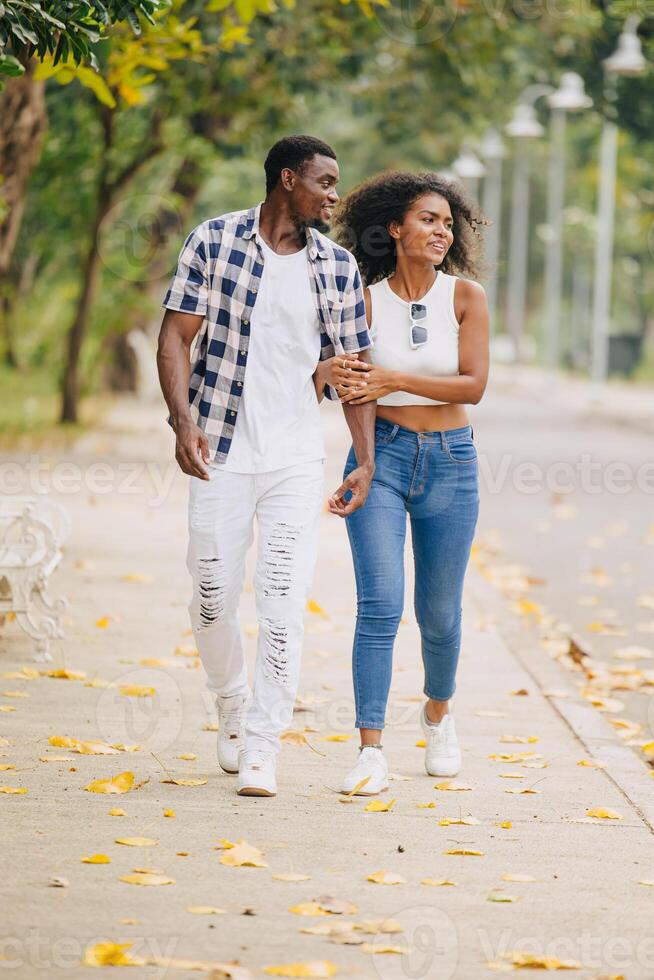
{"x":312,"y":192}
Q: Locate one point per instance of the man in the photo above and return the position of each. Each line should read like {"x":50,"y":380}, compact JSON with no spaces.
{"x":268,"y":297}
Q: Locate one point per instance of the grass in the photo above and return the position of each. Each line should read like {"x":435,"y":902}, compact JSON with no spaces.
{"x":30,"y":406}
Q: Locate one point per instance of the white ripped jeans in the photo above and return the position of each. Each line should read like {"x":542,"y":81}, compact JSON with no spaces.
{"x":287,"y":504}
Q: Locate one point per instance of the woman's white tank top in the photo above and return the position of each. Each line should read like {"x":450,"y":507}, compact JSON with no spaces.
{"x":390,"y":331}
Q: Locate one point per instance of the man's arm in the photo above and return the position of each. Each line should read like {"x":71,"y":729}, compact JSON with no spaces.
{"x":361,"y":423}
{"x":173,"y":362}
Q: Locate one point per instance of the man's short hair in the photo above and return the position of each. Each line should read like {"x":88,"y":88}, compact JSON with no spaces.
{"x":293,"y":152}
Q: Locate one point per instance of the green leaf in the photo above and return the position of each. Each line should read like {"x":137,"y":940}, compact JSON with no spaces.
{"x":10,"y":66}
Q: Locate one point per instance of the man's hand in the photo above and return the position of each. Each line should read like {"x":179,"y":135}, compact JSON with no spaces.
{"x":358,"y":482}
{"x":192,"y":450}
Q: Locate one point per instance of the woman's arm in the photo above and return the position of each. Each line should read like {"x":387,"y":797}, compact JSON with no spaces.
{"x":466,"y":388}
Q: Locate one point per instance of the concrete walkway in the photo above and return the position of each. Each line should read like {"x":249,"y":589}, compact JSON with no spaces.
{"x":124,"y":575}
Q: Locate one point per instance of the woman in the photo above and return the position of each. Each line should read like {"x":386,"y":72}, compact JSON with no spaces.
{"x":413,"y":235}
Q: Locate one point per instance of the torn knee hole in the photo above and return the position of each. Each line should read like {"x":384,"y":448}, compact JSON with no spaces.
{"x":211,"y":589}
{"x":280,"y":554}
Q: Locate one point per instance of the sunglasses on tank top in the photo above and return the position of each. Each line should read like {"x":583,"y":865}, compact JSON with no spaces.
{"x":418,"y":333}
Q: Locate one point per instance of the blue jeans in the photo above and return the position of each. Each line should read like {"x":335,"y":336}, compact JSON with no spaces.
{"x":433,"y":477}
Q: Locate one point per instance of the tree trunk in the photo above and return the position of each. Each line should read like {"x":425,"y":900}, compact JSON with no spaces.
{"x":90,"y":275}
{"x":23,"y":122}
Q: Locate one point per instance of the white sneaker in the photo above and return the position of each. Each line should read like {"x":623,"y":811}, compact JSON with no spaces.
{"x":442,"y":755}
{"x":371,"y":765}
{"x":230,"y":734}
{"x":256,"y":773}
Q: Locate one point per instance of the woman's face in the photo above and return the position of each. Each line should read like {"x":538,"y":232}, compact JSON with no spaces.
{"x":426,"y":232}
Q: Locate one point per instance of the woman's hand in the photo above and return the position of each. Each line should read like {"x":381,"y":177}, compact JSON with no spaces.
{"x":360,"y":386}
{"x":333,"y":370}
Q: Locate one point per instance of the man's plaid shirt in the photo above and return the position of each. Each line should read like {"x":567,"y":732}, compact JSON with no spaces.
{"x":218,"y":275}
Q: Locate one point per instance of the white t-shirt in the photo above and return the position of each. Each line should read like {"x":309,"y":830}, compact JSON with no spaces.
{"x":278,"y":421}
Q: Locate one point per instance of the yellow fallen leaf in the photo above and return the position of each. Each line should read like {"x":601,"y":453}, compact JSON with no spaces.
{"x":437,"y":882}
{"x":464,"y":850}
{"x":6,"y":708}
{"x":136,"y":691}
{"x":137,"y":841}
{"x":13,"y":790}
{"x":522,"y":791}
{"x":421,"y":744}
{"x":514,"y":756}
{"x":292,"y":877}
{"x":517,"y":877}
{"x":591,"y":763}
{"x":359,"y":786}
{"x":24,"y":674}
{"x":137,"y":577}
{"x":122,"y":783}
{"x":313,"y":607}
{"x":111,"y":954}
{"x":453,"y":786}
{"x":376,"y":806}
{"x":604,"y":813}
{"x":386,"y":878}
{"x":103,"y":622}
{"x":62,"y":741}
{"x":116,"y":811}
{"x":506,"y":824}
{"x":521,"y":739}
{"x":147,"y":878}
{"x":6,"y":766}
{"x":426,"y":806}
{"x":122,"y":747}
{"x":308,"y":908}
{"x":187,"y":756}
{"x":96,"y":859}
{"x":169,"y":813}
{"x":243,"y":854}
{"x":195,"y":781}
{"x":205,"y":910}
{"x":94,"y":748}
{"x":646,"y":881}
{"x":309,"y":970}
{"x":501,"y":897}
{"x":14,"y":694}
{"x":187,"y":651}
{"x":335,"y":738}
{"x":382,"y":948}
{"x":467,"y":821}
{"x":61,"y":673}
{"x":519,"y":959}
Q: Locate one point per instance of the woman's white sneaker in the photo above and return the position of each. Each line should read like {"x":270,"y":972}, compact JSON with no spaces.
{"x":371,"y":766}
{"x":230,"y":731}
{"x":256,"y":773}
{"x":442,"y":753}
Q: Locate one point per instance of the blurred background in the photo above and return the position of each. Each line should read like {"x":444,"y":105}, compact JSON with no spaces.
{"x":117,"y":137}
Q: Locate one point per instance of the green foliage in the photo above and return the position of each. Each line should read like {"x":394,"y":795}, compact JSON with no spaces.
{"x":64,"y":29}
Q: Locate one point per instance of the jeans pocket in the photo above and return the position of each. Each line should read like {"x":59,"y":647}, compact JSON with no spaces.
{"x":384,"y":434}
{"x":462,"y":451}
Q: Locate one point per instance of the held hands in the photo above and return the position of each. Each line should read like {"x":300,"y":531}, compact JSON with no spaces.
{"x":192,"y":450}
{"x":360,"y":382}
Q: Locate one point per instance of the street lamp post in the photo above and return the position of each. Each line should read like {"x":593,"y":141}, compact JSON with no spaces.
{"x":493,"y":152}
{"x":627,"y":61}
{"x":523,"y":127}
{"x":469,"y":169}
{"x":569,"y":97}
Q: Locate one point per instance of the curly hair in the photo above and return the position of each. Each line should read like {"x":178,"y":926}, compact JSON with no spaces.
{"x":364,"y":215}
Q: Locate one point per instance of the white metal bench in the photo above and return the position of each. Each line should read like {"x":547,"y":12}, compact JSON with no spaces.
{"x":32,"y":531}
